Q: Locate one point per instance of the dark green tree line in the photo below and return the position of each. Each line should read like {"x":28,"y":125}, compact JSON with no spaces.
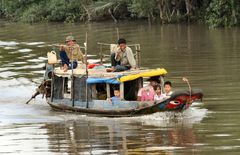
{"x":213,"y":12}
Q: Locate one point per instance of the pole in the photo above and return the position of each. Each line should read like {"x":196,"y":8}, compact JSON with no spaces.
{"x":101,"y":54}
{"x":52,"y":85}
{"x":137,"y":48}
{"x":117,"y":33}
{"x":72,"y":79}
{"x":189,"y":87}
{"x":86,"y":42}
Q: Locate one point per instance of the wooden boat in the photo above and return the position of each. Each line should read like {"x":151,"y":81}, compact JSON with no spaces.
{"x":85,"y":95}
{"x":86,"y":91}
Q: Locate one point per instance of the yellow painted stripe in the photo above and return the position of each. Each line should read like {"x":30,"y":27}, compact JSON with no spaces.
{"x":155,"y":72}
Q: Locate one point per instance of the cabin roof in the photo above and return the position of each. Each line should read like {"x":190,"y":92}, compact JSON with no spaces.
{"x":111,"y":77}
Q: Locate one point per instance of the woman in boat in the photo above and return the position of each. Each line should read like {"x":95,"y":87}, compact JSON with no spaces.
{"x":158,"y":94}
{"x":122,"y":59}
{"x":147,"y":93}
{"x":70,"y":54}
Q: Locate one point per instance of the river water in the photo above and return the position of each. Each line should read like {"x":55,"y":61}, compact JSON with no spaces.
{"x":209,"y":58}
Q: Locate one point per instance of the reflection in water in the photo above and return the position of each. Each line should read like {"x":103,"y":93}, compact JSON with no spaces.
{"x":40,"y":130}
{"x":117,"y":136}
{"x":208,"y":57}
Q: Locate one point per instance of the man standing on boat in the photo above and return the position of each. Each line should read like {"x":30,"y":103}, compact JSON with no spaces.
{"x":70,"y":54}
{"x":122,"y":58}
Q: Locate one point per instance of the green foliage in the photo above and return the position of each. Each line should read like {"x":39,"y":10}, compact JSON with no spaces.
{"x":222,"y":13}
{"x":35,"y":13}
{"x":63,"y":10}
{"x":41,"y":10}
{"x":110,"y":9}
{"x":213,"y":12}
{"x":142,"y":8}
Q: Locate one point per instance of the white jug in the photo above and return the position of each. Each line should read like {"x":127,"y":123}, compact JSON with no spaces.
{"x":52,"y":57}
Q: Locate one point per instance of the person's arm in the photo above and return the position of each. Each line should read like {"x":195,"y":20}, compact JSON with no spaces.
{"x":62,"y":47}
{"x":79,"y":53}
{"x":131,"y":58}
{"x":109,"y":100}
{"x":117,"y":55}
{"x":139,"y":95}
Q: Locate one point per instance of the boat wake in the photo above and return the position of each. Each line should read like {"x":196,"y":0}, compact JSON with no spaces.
{"x":188,"y":117}
{"x":163,"y":119}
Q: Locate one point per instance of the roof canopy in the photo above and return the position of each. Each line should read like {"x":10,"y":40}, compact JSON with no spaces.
{"x":101,"y":76}
{"x":92,"y":80}
{"x":125,"y":78}
{"x":156,"y":72}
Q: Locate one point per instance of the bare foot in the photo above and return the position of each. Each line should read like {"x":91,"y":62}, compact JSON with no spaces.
{"x":110,"y":69}
{"x":65,"y":68}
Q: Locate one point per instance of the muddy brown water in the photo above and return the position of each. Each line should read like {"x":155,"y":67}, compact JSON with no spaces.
{"x":209,"y":58}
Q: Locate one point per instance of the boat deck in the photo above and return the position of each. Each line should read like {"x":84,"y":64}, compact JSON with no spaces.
{"x":99,"y":72}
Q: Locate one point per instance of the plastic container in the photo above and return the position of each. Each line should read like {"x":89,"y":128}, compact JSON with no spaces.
{"x":52,"y":57}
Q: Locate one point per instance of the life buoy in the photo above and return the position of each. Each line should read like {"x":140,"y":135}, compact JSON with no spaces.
{"x":173,"y":104}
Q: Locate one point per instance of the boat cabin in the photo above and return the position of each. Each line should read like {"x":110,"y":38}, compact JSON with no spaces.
{"x":100,"y":84}
{"x":86,"y":87}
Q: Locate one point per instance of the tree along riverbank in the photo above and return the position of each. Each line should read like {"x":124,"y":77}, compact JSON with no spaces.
{"x":216,"y":13}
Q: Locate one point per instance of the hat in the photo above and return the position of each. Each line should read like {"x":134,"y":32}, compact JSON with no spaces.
{"x":70,"y":38}
{"x":121,"y":41}
{"x":154,"y":78}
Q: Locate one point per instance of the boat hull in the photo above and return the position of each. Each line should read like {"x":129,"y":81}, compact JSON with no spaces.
{"x":179,"y":101}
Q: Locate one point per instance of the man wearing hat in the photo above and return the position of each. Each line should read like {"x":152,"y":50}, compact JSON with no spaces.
{"x":122,"y":59}
{"x":147,"y":93}
{"x":70,"y":54}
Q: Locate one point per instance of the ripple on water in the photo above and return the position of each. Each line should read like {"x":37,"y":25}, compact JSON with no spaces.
{"x":8,"y":84}
{"x":19,"y":63}
{"x":38,"y":66}
{"x":25,"y":50}
{"x":33,"y":43}
{"x":221,"y":135}
{"x":35,"y":60}
{"x":10,"y":47}
{"x":8,"y":43}
{"x":4,"y":69}
{"x":42,"y":58}
{"x":8,"y":74}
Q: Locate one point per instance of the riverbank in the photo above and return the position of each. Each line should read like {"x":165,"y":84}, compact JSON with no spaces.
{"x":215,"y":13}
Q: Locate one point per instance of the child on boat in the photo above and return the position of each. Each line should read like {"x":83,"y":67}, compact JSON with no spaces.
{"x":116,"y":96}
{"x":168,"y":88}
{"x":158,"y":94}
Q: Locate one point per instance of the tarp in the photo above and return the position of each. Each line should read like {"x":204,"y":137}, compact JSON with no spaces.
{"x":92,"y":80}
{"x":155,"y":72}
